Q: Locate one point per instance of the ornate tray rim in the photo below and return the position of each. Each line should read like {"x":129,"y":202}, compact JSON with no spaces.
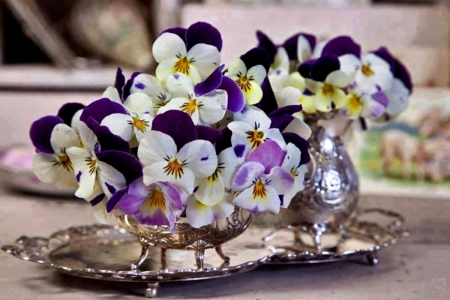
{"x":34,"y":249}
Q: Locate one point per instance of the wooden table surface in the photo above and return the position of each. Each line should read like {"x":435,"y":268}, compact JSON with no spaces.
{"x":418,"y":267}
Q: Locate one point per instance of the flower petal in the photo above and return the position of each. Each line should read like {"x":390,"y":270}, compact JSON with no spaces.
{"x":165,"y":69}
{"x":100,"y":109}
{"x":205,"y":58}
{"x":342,"y":45}
{"x":125,"y":163}
{"x":281,"y":180}
{"x":338,"y":79}
{"x":288,"y":96}
{"x":229,"y":163}
{"x":120,"y":124}
{"x":208,"y":134}
{"x":87,"y":136}
{"x":41,"y":131}
{"x":266,"y":43}
{"x":106,"y":139}
{"x":246,"y":174}
{"x":155,"y":146}
{"x":236,"y":99}
{"x":323,"y":66}
{"x":269,"y":202}
{"x":188,"y":106}
{"x":112,"y":94}
{"x":299,"y":127}
{"x":269,"y":154}
{"x":257,"y":74}
{"x":398,"y":98}
{"x":180,"y":85}
{"x":100,"y":213}
{"x":156,"y":172}
{"x":170,"y":122}
{"x":148,"y":84}
{"x":167,"y":46}
{"x":139,"y":103}
{"x":292,"y":43}
{"x":198,"y":214}
{"x":212,"y":106}
{"x":200,"y":157}
{"x":256,"y":56}
{"x":81,"y":159}
{"x":224,"y":208}
{"x":115,"y":199}
{"x":68,"y":111}
{"x":235,"y":68}
{"x":203,"y":33}
{"x":46,"y":171}
{"x":211,"y":83}
{"x":210,"y":190}
{"x":300,"y":143}
{"x":63,"y":137}
{"x":110,"y":179}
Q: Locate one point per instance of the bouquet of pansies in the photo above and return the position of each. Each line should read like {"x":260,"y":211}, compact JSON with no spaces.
{"x":335,"y":76}
{"x":189,"y":144}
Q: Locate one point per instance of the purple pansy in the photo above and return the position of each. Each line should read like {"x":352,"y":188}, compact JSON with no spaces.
{"x":261,"y":180}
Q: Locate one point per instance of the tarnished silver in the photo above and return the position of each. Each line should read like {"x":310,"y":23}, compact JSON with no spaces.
{"x":106,"y":252}
{"x":331,"y":185}
{"x":185,"y":237}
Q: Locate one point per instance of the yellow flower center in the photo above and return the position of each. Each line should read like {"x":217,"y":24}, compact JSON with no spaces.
{"x":156,"y":200}
{"x":141,"y":125}
{"x":256,"y":137}
{"x":327,"y":89}
{"x":259,"y":189}
{"x":182,"y":65}
{"x":174,"y":167}
{"x":190,"y":106}
{"x":64,"y":161}
{"x":354,"y":104}
{"x":244,"y":83}
{"x":366,"y":70}
{"x":215,"y":175}
{"x":293,"y":172}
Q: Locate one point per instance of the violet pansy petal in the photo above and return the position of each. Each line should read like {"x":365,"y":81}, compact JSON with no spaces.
{"x":236,"y":99}
{"x":100,"y":109}
{"x":41,"y":131}
{"x":384,"y":53}
{"x":268,"y":103}
{"x":323,"y":66}
{"x":130,"y":204}
{"x":211,"y":83}
{"x":291,"y":44}
{"x":225,"y":140}
{"x":305,"y":68}
{"x":126,"y":89}
{"x":402,"y":73}
{"x":381,"y":98}
{"x":246,"y":175}
{"x":269,"y":154}
{"x":300,"y":143}
{"x":286,"y":110}
{"x":256,"y":56}
{"x":342,"y":45}
{"x":120,"y":81}
{"x":203,"y":33}
{"x":208,"y":133}
{"x":180,"y":31}
{"x":116,"y":197}
{"x":281,"y":121}
{"x":172,"y":194}
{"x":123,"y":162}
{"x":138,"y":188}
{"x":266,"y":43}
{"x":68,"y":110}
{"x":106,"y":139}
{"x":170,"y":123}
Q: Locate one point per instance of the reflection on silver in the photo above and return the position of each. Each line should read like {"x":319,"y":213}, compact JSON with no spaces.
{"x":331,"y":189}
{"x":106,"y":252}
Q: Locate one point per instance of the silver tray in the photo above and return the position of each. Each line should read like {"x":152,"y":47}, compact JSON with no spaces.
{"x":107,"y":252}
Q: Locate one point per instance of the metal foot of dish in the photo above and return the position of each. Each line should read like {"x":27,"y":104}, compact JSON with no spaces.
{"x":152,"y":290}
{"x":226,"y":259}
{"x":372,"y":259}
{"x":142,"y":258}
{"x":199,"y":249}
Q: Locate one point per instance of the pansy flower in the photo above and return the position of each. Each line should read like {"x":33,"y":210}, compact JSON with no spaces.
{"x":211,"y":190}
{"x":400,"y":90}
{"x":174,"y":155}
{"x":70,"y":113}
{"x":51,"y":138}
{"x":347,"y":51}
{"x":376,"y":72}
{"x":206,"y":102}
{"x":249,"y":72}
{"x":326,"y":82}
{"x":251,"y":129}
{"x":200,"y":214}
{"x":194,"y":52}
{"x":261,"y":180}
{"x":364,"y":105}
{"x":156,"y":204}
{"x":150,"y":85}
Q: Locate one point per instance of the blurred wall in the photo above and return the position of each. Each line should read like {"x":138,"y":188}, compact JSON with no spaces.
{"x":419,"y":35}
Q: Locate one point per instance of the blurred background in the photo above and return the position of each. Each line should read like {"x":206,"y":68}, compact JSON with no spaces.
{"x":52,"y":52}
